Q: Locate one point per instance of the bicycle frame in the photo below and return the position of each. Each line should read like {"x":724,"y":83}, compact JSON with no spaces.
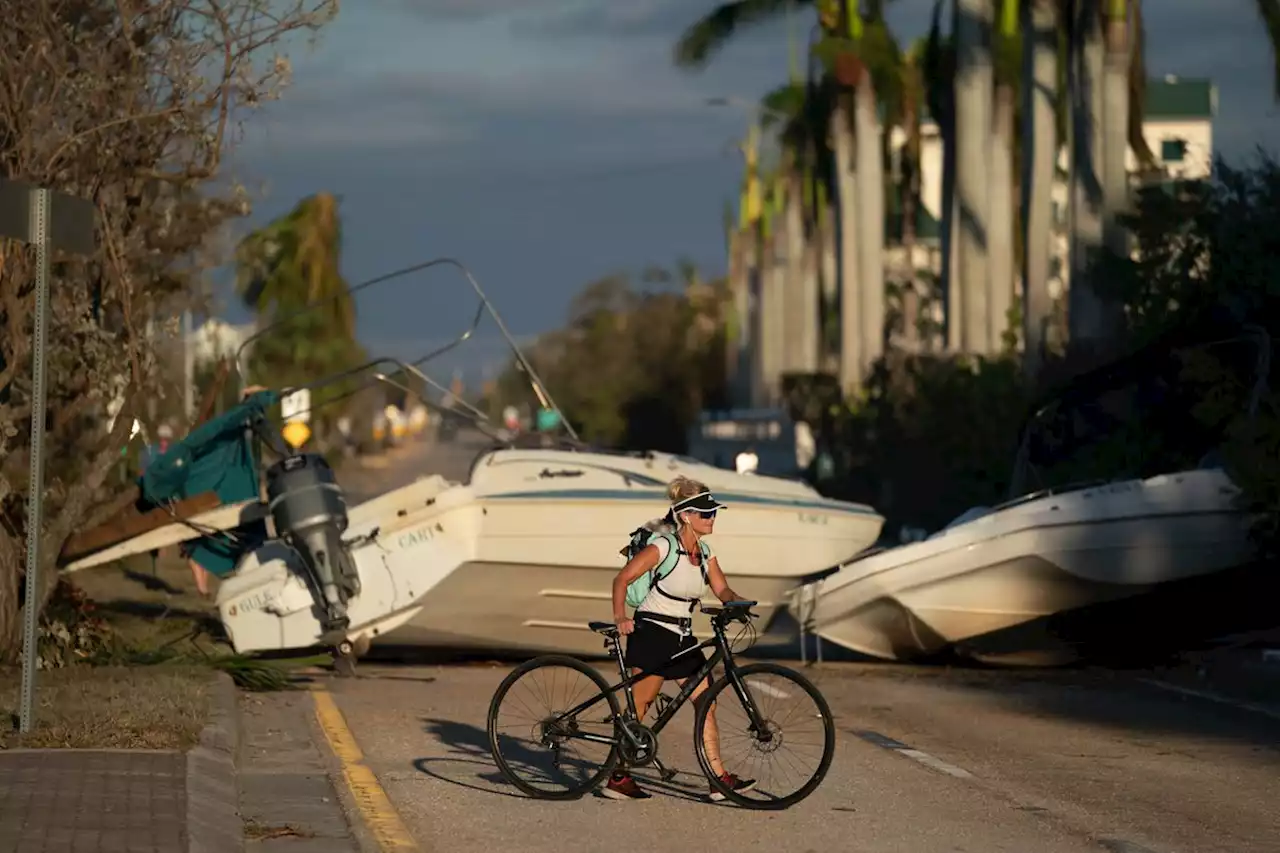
{"x":723,"y":653}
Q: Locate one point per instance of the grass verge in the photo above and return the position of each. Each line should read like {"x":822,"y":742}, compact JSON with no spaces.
{"x":109,"y":707}
{"x":134,"y":648}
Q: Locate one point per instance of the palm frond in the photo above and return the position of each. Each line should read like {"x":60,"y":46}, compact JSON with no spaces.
{"x":787,"y":100}
{"x":1269,"y":11}
{"x":939,"y":64}
{"x":1138,"y":89}
{"x":705,"y":37}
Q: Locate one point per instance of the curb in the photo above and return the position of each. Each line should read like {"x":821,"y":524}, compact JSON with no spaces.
{"x":213,"y":791}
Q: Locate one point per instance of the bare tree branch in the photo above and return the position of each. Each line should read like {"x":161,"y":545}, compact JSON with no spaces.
{"x":130,"y":103}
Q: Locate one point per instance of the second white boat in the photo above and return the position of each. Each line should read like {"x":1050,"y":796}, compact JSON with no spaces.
{"x":1037,"y":557}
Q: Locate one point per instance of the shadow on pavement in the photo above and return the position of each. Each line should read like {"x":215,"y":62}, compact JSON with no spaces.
{"x":471,"y":745}
{"x":1106,"y":699}
{"x":156,"y":611}
{"x":155,"y":583}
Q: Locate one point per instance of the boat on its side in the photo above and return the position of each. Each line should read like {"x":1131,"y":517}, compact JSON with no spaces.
{"x":541,"y":532}
{"x":1020,"y":582}
{"x":997,"y":569}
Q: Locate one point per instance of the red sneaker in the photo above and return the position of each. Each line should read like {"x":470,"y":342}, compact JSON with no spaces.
{"x":622,"y":787}
{"x":733,"y":783}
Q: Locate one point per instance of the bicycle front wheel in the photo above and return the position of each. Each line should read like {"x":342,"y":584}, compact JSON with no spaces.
{"x":539,"y":753}
{"x":799,"y":733}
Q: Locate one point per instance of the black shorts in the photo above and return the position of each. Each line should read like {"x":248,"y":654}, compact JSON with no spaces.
{"x":652,"y":646}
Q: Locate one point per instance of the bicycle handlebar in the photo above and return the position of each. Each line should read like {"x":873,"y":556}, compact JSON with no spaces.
{"x":731,"y":610}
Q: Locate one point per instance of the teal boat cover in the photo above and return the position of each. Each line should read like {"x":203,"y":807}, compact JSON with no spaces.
{"x":218,"y":456}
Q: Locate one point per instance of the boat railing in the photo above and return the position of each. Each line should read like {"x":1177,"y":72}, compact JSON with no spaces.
{"x":484,"y":305}
{"x":478,"y":418}
{"x":803,"y":605}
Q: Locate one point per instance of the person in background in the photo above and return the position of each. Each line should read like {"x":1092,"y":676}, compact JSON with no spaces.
{"x":164,"y":439}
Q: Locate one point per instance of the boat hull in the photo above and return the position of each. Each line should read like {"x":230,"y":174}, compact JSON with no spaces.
{"x":946,"y":593}
{"x":523,"y":557}
{"x":534,"y":609}
{"x":540,"y":568}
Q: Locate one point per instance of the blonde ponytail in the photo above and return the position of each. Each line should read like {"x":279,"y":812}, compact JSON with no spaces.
{"x":683,"y":488}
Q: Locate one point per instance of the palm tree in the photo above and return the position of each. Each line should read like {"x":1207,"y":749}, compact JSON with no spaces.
{"x":292,"y":264}
{"x":1000,"y":175}
{"x":1085,"y":66}
{"x":737,"y":339}
{"x":973,"y":89}
{"x":786,"y":109}
{"x":938,"y":66}
{"x":908,"y":111}
{"x":1039,"y":21}
{"x":1269,"y":12}
{"x":1117,"y":46}
{"x":768,"y":352}
{"x":854,"y":43}
{"x":753,"y":267}
{"x":871,"y":186}
{"x":863,"y":57}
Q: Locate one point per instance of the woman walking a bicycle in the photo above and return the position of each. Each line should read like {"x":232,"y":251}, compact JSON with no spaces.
{"x":659,"y":634}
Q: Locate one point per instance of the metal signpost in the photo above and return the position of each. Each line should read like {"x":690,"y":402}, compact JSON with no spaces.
{"x":49,"y":221}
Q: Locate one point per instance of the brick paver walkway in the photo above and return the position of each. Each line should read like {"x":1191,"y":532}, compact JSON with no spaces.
{"x":87,"y":801}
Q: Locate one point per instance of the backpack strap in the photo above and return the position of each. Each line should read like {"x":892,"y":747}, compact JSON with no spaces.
{"x":668,"y":562}
{"x":673,"y":554}
{"x":706,"y":558}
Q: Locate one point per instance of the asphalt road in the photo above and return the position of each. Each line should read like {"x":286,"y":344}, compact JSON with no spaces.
{"x":927,"y":761}
{"x":368,"y":477}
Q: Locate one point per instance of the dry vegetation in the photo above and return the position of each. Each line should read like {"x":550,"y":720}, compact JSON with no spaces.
{"x":155,"y":707}
{"x":134,"y":105}
{"x":162,"y":706}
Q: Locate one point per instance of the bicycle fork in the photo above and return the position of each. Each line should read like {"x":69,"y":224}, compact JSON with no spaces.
{"x":759,"y":726}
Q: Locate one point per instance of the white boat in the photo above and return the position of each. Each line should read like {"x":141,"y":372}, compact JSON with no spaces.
{"x":519,"y":557}
{"x":993,"y":570}
{"x":992,"y":582}
{"x":538,"y":534}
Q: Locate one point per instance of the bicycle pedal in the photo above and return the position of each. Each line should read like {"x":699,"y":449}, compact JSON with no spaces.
{"x":665,"y":773}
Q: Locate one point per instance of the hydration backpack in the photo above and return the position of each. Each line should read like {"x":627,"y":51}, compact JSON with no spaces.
{"x":641,"y":537}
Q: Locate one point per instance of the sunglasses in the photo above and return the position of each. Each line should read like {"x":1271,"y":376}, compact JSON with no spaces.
{"x":703,"y":513}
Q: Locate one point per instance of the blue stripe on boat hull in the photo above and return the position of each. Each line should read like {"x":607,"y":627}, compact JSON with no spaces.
{"x":729,"y":498}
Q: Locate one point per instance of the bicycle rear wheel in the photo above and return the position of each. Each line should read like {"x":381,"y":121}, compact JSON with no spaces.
{"x":800,"y":732}
{"x":550,"y":763}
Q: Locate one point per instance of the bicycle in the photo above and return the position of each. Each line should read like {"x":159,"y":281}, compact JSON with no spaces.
{"x":637,"y":744}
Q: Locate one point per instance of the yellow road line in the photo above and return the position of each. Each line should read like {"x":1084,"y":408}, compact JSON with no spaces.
{"x":375,"y":806}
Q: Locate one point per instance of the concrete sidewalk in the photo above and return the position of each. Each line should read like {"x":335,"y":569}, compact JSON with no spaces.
{"x":74,"y":800}
{"x":258,"y":780}
{"x":54,"y":800}
{"x":291,"y":795}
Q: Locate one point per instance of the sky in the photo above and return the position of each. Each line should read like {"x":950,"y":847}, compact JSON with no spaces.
{"x":547,"y":143}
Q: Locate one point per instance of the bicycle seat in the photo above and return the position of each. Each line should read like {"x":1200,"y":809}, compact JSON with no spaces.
{"x":607,"y":628}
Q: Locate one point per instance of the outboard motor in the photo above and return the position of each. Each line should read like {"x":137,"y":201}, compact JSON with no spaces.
{"x":310,"y":515}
